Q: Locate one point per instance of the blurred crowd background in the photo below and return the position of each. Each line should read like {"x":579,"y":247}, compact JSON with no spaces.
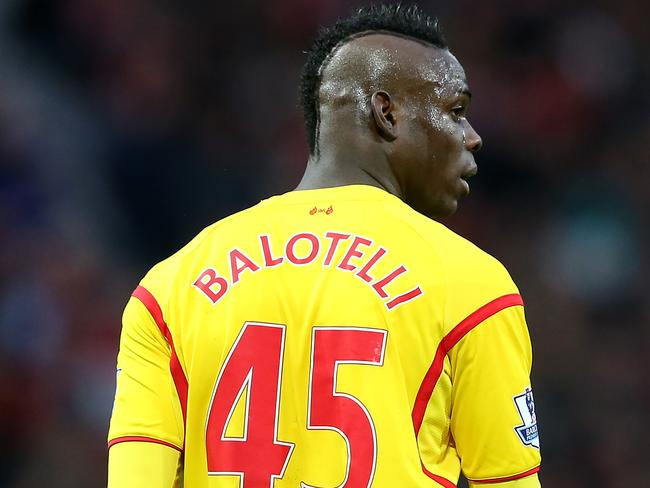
{"x":126,"y":126}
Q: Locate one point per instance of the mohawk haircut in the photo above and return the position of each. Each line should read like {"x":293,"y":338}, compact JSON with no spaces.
{"x":408,"y":21}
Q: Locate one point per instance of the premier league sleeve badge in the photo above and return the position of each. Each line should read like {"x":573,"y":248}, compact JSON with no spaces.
{"x":527,"y":432}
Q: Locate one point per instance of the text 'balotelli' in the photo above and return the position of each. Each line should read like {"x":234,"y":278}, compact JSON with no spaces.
{"x":356,"y":254}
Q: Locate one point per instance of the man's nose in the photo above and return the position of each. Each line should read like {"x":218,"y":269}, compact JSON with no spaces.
{"x":473,"y":141}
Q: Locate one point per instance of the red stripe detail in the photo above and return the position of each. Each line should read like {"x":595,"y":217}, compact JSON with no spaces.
{"x":448,"y":342}
{"x":435,"y":370}
{"x":137,"y":438}
{"x":509,"y":478}
{"x":180,"y":380}
{"x":439,"y":479}
{"x":404,"y":298}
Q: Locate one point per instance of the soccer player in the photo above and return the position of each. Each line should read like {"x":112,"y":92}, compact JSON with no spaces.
{"x":336,"y":335}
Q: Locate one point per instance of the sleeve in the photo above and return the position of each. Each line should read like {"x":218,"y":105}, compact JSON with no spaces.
{"x":147,"y":402}
{"x":493,"y":420}
{"x":137,"y":464}
{"x":527,"y":482}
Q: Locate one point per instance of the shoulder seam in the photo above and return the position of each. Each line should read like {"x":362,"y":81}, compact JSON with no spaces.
{"x":447,"y":343}
{"x":175,"y":368}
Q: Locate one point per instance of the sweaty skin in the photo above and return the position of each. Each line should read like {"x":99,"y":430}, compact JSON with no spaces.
{"x":421,"y":146}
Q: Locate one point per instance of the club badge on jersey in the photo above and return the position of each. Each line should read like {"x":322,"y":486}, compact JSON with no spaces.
{"x":527,"y":432}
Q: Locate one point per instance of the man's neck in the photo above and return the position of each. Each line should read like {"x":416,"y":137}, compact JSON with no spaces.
{"x":329,"y":172}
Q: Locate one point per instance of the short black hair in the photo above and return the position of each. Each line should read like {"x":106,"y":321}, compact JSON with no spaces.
{"x":408,"y":21}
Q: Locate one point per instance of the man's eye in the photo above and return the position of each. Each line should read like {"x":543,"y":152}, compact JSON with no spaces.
{"x":459,"y":112}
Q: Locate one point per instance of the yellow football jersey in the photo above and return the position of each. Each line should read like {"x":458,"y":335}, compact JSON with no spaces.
{"x":330,"y":337}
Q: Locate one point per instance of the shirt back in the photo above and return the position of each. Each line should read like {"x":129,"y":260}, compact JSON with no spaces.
{"x":328,"y":338}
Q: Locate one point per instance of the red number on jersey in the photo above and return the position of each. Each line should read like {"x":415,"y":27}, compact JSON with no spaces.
{"x":330,"y":409}
{"x":255,"y":361}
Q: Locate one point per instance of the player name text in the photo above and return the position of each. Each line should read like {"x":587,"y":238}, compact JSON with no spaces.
{"x":306,"y":248}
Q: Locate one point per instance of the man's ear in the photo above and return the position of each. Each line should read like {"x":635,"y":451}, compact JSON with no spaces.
{"x":381,"y":107}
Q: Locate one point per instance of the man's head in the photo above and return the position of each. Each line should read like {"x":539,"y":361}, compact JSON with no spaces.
{"x":382,"y":86}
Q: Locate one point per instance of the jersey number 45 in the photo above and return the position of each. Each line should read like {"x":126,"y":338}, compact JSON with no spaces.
{"x":255,"y":363}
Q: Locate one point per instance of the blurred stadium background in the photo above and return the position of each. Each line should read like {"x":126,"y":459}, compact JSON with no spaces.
{"x":126,"y":126}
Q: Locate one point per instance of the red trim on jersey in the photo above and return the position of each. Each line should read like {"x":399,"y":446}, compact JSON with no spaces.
{"x":405,"y":297}
{"x":448,"y":342}
{"x":138,"y":438}
{"x":509,"y":478}
{"x":435,"y":370}
{"x":439,"y":479}
{"x":180,"y":380}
